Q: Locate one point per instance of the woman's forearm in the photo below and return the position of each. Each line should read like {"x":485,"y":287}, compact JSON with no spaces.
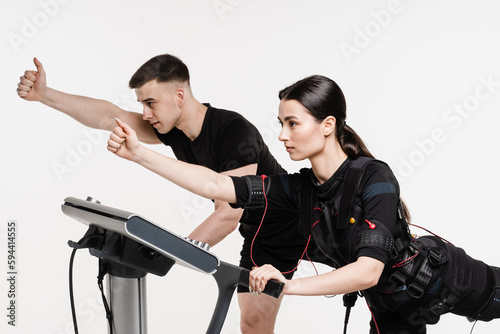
{"x":357,"y":276}
{"x":197,"y":179}
{"x":200,"y":180}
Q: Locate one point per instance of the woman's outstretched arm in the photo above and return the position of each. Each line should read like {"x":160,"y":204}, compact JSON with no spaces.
{"x":202,"y":181}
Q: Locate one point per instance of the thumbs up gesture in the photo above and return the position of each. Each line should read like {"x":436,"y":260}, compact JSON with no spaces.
{"x":33,"y":84}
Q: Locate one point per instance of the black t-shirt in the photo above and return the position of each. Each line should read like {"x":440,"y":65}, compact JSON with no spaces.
{"x":228,"y":141}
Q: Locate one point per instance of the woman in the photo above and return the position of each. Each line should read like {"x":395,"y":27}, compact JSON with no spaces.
{"x":350,"y":208}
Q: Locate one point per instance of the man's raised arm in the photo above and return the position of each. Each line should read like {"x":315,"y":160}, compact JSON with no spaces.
{"x":94,"y":113}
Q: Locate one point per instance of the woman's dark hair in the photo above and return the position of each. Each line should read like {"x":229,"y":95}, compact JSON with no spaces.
{"x":322,"y":97}
{"x":162,"y":68}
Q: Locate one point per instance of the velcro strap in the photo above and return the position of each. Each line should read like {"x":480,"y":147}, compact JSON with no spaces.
{"x":256,"y":196}
{"x":377,"y":239}
{"x":399,"y":245}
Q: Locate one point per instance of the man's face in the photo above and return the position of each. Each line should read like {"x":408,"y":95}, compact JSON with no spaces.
{"x":160,"y":103}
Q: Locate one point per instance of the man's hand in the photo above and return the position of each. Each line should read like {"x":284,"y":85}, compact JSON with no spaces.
{"x":123,"y":141}
{"x":33,"y":84}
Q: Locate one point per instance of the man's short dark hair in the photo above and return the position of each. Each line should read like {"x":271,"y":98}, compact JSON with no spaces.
{"x":162,"y":68}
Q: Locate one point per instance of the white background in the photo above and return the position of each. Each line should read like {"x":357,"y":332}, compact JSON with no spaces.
{"x":406,"y":68}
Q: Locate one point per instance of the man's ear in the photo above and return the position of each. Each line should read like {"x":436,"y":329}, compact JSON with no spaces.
{"x":329,"y":124}
{"x":180,"y":96}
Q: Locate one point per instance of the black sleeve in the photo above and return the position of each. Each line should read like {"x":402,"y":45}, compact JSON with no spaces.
{"x":238,"y":146}
{"x":379,"y":202}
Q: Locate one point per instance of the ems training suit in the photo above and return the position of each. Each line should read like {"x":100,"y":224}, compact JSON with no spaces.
{"x":423,"y":278}
{"x":228,"y":141}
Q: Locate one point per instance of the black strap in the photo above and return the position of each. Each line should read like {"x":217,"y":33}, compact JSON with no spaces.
{"x":350,"y":188}
{"x":256,"y":195}
{"x":421,"y":281}
{"x":405,"y":270}
{"x":305,"y":208}
{"x":415,"y":272}
{"x":445,"y":305}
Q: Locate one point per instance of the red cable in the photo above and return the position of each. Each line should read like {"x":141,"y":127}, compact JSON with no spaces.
{"x":373,"y":317}
{"x":434,"y":234}
{"x":405,"y":262}
{"x":307,"y":254}
{"x":260,"y":225}
{"x":300,"y":260}
{"x":304,"y":252}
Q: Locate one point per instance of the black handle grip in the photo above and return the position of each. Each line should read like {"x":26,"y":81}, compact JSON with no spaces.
{"x":228,"y":276}
{"x":273,"y":287}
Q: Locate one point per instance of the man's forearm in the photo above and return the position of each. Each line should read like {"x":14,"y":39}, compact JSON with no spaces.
{"x":94,"y":113}
{"x":222,"y":222}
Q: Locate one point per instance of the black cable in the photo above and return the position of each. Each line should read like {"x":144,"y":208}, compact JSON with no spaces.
{"x":71,"y":260}
{"x":109,"y":314}
{"x":71,"y":297}
{"x":103,"y":270}
{"x":349,"y":301}
{"x":474,"y":325}
{"x":346,"y":319}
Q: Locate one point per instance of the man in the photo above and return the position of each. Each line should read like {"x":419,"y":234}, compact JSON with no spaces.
{"x":221,"y":140}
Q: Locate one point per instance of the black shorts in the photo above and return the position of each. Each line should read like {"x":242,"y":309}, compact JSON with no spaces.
{"x":266,"y":256}
{"x":278,"y":242}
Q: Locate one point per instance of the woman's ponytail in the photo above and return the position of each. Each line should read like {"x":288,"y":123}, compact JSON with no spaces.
{"x":351,"y":143}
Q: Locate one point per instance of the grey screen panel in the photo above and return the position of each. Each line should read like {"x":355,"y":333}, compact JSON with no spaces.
{"x":179,"y":249}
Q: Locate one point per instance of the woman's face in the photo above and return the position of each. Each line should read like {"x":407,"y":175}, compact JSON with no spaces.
{"x":302,"y":134}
